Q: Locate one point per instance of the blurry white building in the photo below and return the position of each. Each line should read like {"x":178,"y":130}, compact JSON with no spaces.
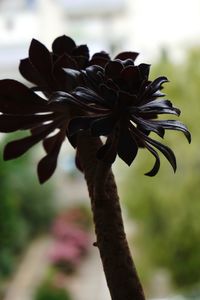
{"x":94,"y":22}
{"x":113,"y":25}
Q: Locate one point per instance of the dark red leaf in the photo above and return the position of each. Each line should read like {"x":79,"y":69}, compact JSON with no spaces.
{"x":10,"y":123}
{"x":113,"y":69}
{"x":28,"y":71}
{"x":65,"y":61}
{"x":167,"y":152}
{"x":81,"y":50}
{"x":144,"y":70}
{"x":41,"y":59}
{"x":78,"y":162}
{"x":47,"y":164}
{"x":16,"y":148}
{"x":149,"y":125}
{"x":132,"y":75}
{"x":127,"y":147}
{"x":79,"y":123}
{"x":64,"y":80}
{"x":156,"y":166}
{"x":174,"y":125}
{"x":108,"y":93}
{"x":63,"y":44}
{"x":99,"y":61}
{"x":49,"y":142}
{"x":103,"y":126}
{"x":127,"y":55}
{"x":81,"y":61}
{"x":101,"y":54}
{"x":16,"y":98}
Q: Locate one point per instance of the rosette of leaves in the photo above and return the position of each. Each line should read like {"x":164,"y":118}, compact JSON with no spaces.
{"x":22,"y":108}
{"x":127,"y":106}
{"x":107,"y":98}
{"x":54,"y":70}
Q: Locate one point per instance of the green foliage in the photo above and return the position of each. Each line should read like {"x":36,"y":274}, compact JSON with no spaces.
{"x":48,"y":291}
{"x":26,"y":208}
{"x":37,"y":207}
{"x":167,"y":207}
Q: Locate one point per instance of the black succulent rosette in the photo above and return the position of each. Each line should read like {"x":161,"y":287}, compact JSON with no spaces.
{"x":22,"y":108}
{"x":107,"y":98}
{"x":57,"y":70}
{"x":123,"y":106}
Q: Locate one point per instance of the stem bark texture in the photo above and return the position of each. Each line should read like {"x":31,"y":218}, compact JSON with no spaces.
{"x":121,"y":275}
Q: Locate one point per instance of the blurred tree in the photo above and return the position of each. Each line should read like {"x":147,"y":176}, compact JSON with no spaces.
{"x":25,"y":209}
{"x":50,"y":291}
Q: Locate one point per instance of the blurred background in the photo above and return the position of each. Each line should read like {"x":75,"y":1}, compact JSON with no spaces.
{"x":46,"y":231}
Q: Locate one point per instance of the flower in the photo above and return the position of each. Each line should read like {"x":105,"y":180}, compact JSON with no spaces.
{"x":70,"y":242}
{"x":124,"y":105}
{"x":62,"y":252}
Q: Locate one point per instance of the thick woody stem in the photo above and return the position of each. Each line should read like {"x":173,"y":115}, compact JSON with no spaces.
{"x":120,"y":271}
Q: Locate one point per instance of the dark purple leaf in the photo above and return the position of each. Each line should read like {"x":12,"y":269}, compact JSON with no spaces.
{"x":159,"y":107}
{"x":47,"y":164}
{"x":91,"y":73}
{"x":10,"y":123}
{"x":17,"y":148}
{"x":101,"y":54}
{"x":79,"y":123}
{"x":132,"y":76}
{"x":82,"y":61}
{"x":63,"y":44}
{"x":131,"y":73}
{"x":113,"y":69}
{"x":70,"y":78}
{"x":156,"y":166}
{"x":28,"y":71}
{"x":127,"y":55}
{"x":65,"y":81}
{"x":127,"y":62}
{"x":81,"y":50}
{"x":65,"y":61}
{"x":60,"y":101}
{"x":174,"y":125}
{"x":155,"y":85}
{"x":48,"y":143}
{"x":78,"y":162}
{"x":127,"y":100}
{"x":109,"y":94}
{"x":41,"y":59}
{"x":148,"y":125}
{"x":167,"y":152}
{"x":103,"y":126}
{"x":16,"y":98}
{"x":99,"y":61}
{"x":144,"y":70}
{"x":127,"y":147}
{"x":88,"y":96}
